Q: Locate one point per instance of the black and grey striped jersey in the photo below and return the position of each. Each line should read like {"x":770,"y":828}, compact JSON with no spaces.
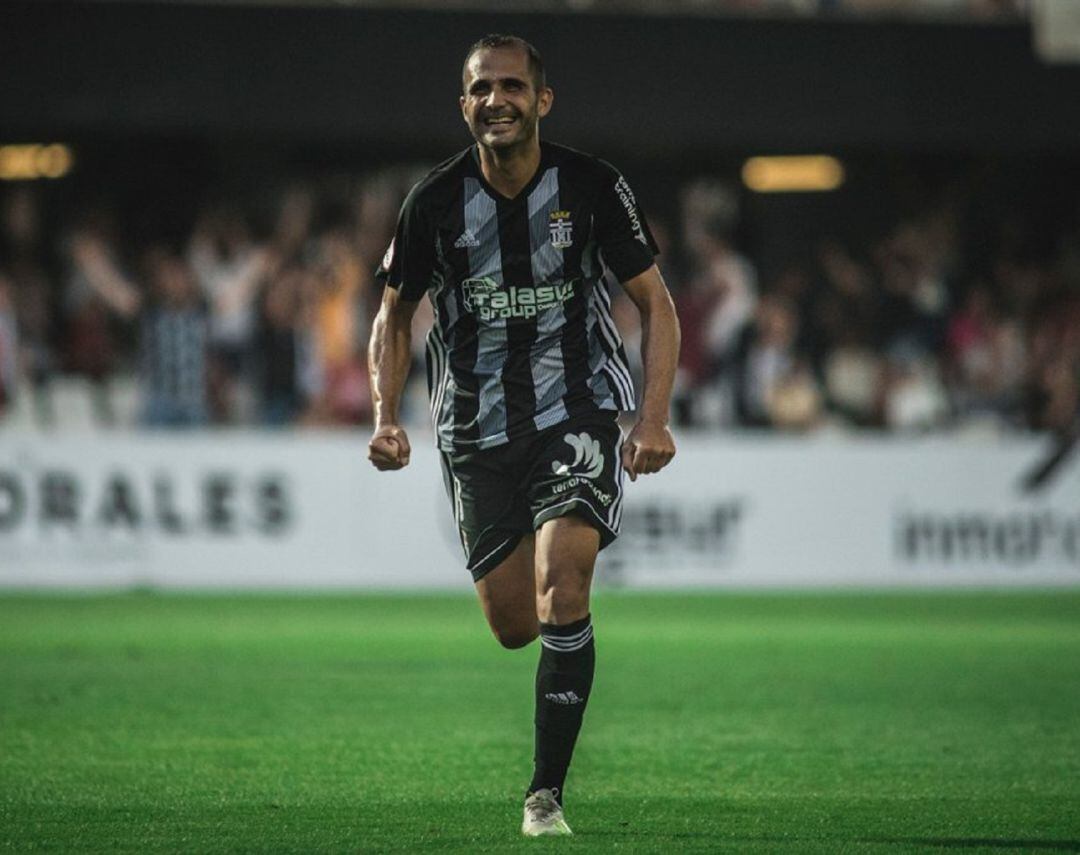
{"x":523,"y":337}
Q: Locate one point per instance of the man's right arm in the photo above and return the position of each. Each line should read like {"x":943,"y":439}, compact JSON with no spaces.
{"x":389,"y":355}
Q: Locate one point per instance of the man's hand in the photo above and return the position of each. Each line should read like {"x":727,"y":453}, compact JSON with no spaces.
{"x":389,"y":448}
{"x":649,"y":448}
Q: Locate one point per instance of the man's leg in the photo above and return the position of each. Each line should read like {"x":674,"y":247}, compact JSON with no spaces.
{"x":566,"y":549}
{"x":508,"y":597}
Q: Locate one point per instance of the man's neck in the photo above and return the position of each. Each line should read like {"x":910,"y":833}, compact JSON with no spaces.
{"x":509,"y":171}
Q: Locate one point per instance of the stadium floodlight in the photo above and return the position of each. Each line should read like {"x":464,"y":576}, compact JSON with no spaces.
{"x":29,"y":162}
{"x":793,"y":174}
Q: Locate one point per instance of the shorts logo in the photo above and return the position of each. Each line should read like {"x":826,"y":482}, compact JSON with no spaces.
{"x":562,"y":230}
{"x":588,"y":459}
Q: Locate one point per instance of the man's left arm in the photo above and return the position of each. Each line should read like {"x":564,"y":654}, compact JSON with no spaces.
{"x":650,"y":445}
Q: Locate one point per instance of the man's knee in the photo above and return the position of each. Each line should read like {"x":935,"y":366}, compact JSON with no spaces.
{"x":513,"y":638}
{"x":564,"y":599}
{"x":568,"y":547}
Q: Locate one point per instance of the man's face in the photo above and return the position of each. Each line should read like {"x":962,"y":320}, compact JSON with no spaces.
{"x":501,"y":104}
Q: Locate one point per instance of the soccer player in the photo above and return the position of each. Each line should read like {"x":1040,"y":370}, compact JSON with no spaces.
{"x":510,"y":240}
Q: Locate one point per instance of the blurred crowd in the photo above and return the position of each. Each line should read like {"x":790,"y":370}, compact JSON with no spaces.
{"x":239,"y":321}
{"x":967,"y":10}
{"x":925,"y":327}
{"x":262,"y":317}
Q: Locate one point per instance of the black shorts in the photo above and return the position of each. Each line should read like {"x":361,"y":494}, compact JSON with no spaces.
{"x":501,"y":494}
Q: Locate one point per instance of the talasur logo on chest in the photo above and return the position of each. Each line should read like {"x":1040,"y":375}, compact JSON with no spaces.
{"x":484,"y":298}
{"x":561,"y":229}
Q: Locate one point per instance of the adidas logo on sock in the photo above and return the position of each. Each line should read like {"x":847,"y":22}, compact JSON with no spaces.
{"x":564,"y":698}
{"x":467,"y":239}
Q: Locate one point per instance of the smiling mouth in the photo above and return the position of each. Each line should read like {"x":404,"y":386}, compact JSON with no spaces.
{"x":500,"y":121}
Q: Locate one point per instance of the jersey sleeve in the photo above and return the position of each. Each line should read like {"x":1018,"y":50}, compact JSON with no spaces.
{"x":410,"y":262}
{"x":627,"y":244}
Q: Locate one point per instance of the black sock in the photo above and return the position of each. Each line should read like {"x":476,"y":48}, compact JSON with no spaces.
{"x":563,"y":684}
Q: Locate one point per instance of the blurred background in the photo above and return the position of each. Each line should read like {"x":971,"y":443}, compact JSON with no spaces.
{"x":869,"y":212}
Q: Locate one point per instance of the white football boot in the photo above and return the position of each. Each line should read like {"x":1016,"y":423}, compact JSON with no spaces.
{"x":543,"y":816}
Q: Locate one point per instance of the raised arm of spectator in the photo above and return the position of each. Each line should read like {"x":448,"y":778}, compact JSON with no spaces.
{"x":93,"y":260}
{"x":236,"y":291}
{"x":239,"y":289}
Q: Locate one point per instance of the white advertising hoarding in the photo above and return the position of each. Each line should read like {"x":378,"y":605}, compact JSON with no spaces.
{"x":259,"y":510}
{"x":219,"y":509}
{"x":853,"y":512}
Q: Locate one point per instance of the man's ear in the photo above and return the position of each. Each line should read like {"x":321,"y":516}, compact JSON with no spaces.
{"x":545,"y":99}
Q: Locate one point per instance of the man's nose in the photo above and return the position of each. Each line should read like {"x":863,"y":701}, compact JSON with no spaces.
{"x":494,"y":97}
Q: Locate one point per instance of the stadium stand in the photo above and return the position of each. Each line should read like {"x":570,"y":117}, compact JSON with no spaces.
{"x":959,"y":314}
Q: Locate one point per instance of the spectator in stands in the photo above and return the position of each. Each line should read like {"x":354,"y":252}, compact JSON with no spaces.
{"x":958,"y":9}
{"x":843,"y":320}
{"x":173,"y":345}
{"x":336,"y":311}
{"x":292,"y":231}
{"x":173,"y":327}
{"x":9,"y":345}
{"x":375,"y":207}
{"x":281,"y":349}
{"x":985,"y":354}
{"x":23,"y":261}
{"x":914,"y":292}
{"x":717,"y":301}
{"x":1053,"y":382}
{"x":726,"y":278}
{"x":98,"y":298}
{"x":230,"y":269}
{"x":773,"y":383}
{"x":914,"y":397}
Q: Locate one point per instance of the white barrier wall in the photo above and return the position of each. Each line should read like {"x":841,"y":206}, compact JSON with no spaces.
{"x":236,"y":509}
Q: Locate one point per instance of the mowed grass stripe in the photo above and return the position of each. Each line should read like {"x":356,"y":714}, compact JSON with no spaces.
{"x":790,"y":722}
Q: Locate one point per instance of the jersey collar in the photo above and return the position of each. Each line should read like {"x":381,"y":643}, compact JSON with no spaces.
{"x":474,"y":158}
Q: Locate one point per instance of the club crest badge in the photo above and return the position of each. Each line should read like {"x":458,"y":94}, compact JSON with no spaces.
{"x":562,"y":230}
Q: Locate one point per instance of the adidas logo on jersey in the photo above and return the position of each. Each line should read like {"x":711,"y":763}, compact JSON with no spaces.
{"x":467,"y":239}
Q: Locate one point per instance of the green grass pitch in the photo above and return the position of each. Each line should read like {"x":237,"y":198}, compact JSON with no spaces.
{"x":719,"y":722}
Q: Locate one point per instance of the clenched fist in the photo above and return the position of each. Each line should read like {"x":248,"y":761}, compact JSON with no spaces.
{"x":389,"y":448}
{"x":649,"y":448}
